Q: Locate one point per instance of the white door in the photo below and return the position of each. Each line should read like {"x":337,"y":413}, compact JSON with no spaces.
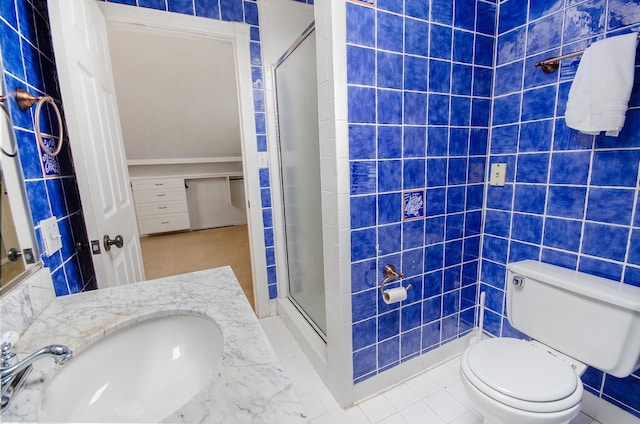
{"x":86,"y":82}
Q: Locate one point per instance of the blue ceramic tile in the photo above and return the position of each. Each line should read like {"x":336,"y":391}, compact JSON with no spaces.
{"x":504,"y":139}
{"x":204,"y":8}
{"x":364,"y":334}
{"x":471,"y":249}
{"x":438,"y":140}
{"x":533,"y":168}
{"x":497,"y":223}
{"x":389,"y":35}
{"x":563,"y":259}
{"x":533,"y":77}
{"x":360,"y":25}
{"x":8,"y":12}
{"x":363,"y":305}
{"x":493,"y":274}
{"x":478,"y":141}
{"x":434,"y":230}
{"x":620,"y":15}
{"x":486,"y":18}
{"x":615,"y":168}
{"x":511,"y":46}
{"x":634,"y":247}
{"x":475,"y":196}
{"x":506,"y":109}
{"x":363,"y":244}
{"x":389,"y":237}
{"x":455,"y":199}
{"x":415,"y":109}
{"x":396,"y":6}
{"x":430,"y":336}
{"x":389,"y":110}
{"x":597,"y":235}
{"x":417,"y":9}
{"x":389,"y":175}
{"x":432,"y":287}
{"x":415,"y":73}
{"x":536,"y":136}
{"x":440,"y":42}
{"x":388,"y":325}
{"x":389,"y":352}
{"x":362,"y":104}
{"x":363,"y":211}
{"x":56,"y":197}
{"x":584,"y":20}
{"x":480,"y":111}
{"x":363,"y":177}
{"x":565,"y":138}
{"x":38,"y":200}
{"x":389,"y":70}
{"x":566,"y":201}
{"x":512,"y":14}
{"x":601,"y":268}
{"x":457,"y":171}
{"x":454,"y":226}
{"x":529,"y":198}
{"x":450,"y":305}
{"x":360,"y":65}
{"x":411,"y":316}
{"x":11,"y":51}
{"x":527,"y":228}
{"x":416,"y":37}
{"x":459,"y":141}
{"x":389,"y":142}
{"x":265,"y":197}
{"x":413,"y":234}
{"x":632,"y":276}
{"x":441,"y":11}
{"x":562,"y":233}
{"x":251,"y":13}
{"x":439,"y":76}
{"x":462,"y":46}
{"x":438,"y":109}
{"x":473,"y":223}
{"x":364,"y":275}
{"x":433,"y":257}
{"x":460,"y":111}
{"x":461,"y":79}
{"x":60,"y":283}
{"x":410,"y":343}
{"x":414,"y":173}
{"x":415,"y":138}
{"x":544,"y":35}
{"x":509,"y":78}
{"x":495,"y":249}
{"x":232,"y":9}
{"x":500,"y":197}
{"x":462,"y":17}
{"x":610,"y":205}
{"x":539,"y":103}
{"x":389,"y":208}
{"x":482,"y":81}
{"x":26,"y":22}
{"x":256,"y":56}
{"x":362,"y":141}
{"x":540,"y":8}
{"x":273,"y":289}
{"x":629,"y":135}
{"x":523,"y":251}
{"x":261,"y":143}
{"x":483,"y":50}
{"x":268,"y":237}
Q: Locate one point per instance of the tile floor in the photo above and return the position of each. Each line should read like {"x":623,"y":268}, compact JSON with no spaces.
{"x":434,"y":397}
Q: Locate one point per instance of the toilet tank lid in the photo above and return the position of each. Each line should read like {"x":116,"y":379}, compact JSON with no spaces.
{"x":610,"y":291}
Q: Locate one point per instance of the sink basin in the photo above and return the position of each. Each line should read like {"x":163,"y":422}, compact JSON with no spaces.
{"x":140,"y":373}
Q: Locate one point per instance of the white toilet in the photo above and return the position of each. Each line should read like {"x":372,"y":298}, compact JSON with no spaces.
{"x":574,"y":319}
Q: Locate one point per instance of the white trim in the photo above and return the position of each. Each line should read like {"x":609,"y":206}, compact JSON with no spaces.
{"x":238,"y":35}
{"x":181,"y":161}
{"x":605,"y":412}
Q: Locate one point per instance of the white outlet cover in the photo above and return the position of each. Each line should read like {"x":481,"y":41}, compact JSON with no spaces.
{"x":498,"y":174}
{"x":50,"y":235}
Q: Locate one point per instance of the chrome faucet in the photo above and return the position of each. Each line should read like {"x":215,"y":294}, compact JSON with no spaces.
{"x":13,"y":376}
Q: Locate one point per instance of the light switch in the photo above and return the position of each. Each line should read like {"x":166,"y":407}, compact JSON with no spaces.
{"x":50,"y":235}
{"x":498,"y":174}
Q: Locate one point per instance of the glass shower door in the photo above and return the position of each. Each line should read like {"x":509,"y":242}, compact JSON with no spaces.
{"x":297,"y":104}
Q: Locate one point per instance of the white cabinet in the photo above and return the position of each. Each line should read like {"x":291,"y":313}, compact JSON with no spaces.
{"x":161,"y":204}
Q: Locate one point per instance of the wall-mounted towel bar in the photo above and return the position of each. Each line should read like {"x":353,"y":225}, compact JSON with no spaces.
{"x":552,"y":64}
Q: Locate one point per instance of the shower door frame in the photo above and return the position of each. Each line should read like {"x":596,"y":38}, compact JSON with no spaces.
{"x":322,"y":334}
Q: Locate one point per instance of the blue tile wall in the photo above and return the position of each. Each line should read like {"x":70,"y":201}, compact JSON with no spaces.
{"x":419,"y":93}
{"x":50,"y":182}
{"x":567,"y":194}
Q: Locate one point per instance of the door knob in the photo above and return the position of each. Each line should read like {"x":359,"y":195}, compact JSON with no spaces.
{"x":107,"y":242}
{"x":14,"y":254}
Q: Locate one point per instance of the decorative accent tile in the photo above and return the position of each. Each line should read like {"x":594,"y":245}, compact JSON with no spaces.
{"x":413,"y":204}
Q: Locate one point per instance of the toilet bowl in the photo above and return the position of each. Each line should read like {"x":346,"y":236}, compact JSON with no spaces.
{"x":515,"y":381}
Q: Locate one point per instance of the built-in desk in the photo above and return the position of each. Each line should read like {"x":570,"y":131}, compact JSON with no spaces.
{"x":187,"y":193}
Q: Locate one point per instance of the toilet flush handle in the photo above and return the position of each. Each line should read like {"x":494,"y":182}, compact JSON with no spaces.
{"x":518,"y":281}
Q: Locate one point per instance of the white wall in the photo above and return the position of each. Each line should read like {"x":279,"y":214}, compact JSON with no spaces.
{"x":177,"y":94}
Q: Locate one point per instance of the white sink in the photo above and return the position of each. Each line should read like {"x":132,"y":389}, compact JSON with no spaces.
{"x":140,"y":373}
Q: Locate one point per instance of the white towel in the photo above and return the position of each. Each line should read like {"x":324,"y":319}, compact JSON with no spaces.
{"x":599,"y":94}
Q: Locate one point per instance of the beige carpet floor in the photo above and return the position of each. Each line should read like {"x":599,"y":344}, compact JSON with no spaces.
{"x":177,"y":253}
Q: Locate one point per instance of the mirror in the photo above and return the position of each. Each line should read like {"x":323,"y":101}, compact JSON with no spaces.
{"x":19,"y":255}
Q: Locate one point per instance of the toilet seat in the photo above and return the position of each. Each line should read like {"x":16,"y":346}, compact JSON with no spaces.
{"x":518,"y":374}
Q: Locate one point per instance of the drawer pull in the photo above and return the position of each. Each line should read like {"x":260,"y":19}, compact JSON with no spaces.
{"x":162,"y":207}
{"x":160,"y":195}
{"x":165,"y":222}
{"x":158,"y":184}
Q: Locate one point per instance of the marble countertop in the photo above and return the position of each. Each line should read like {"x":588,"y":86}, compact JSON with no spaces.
{"x":250,"y":385}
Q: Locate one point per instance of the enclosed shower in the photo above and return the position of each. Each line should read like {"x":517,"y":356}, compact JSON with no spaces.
{"x":299,"y":154}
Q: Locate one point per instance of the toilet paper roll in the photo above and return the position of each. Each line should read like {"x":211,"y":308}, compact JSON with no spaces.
{"x":397,"y":294}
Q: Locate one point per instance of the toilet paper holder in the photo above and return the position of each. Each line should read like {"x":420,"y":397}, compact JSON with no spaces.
{"x":390,"y":274}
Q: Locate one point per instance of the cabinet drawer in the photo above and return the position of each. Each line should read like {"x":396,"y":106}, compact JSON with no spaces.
{"x":163,"y":195}
{"x":161,"y":208}
{"x":157,"y":184}
{"x":163,"y":223}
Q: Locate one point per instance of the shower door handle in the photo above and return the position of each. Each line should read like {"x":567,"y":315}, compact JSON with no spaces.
{"x":107,"y":242}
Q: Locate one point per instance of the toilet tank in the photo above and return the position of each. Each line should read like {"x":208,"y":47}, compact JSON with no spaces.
{"x":592,"y":319}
